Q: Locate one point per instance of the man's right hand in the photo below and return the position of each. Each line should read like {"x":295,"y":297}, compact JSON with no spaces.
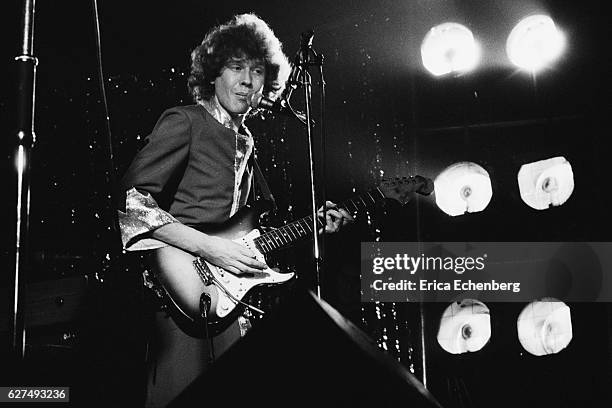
{"x":230,"y":256}
{"x":221,"y":252}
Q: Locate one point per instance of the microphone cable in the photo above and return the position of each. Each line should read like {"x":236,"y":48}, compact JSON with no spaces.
{"x":116,"y":248}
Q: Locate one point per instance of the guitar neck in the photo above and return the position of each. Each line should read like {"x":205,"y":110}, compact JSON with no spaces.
{"x":287,"y":234}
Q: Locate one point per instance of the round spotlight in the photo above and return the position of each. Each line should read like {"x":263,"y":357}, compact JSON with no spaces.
{"x":545,"y":327}
{"x":464,"y":327}
{"x":534,"y":43}
{"x":449,"y":47}
{"x":546,"y":183}
{"x":463,"y":187}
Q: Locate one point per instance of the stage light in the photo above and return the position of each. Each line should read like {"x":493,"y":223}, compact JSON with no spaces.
{"x":546,"y":182}
{"x":449,"y":47}
{"x":464,"y":327}
{"x":545,"y":327}
{"x":534,"y":43}
{"x":463,"y":187}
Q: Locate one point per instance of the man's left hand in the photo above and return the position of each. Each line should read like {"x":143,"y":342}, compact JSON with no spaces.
{"x":336,"y":217}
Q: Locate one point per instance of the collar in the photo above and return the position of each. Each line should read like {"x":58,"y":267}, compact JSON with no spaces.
{"x":218,"y":112}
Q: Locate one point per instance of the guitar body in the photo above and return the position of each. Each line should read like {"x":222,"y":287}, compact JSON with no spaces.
{"x":184,"y":284}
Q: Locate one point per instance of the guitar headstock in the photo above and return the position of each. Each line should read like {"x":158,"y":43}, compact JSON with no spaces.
{"x":402,"y":189}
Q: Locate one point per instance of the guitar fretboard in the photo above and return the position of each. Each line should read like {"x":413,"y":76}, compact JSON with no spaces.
{"x":302,"y":228}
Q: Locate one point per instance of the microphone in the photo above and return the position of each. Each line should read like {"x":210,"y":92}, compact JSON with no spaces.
{"x":259,"y":101}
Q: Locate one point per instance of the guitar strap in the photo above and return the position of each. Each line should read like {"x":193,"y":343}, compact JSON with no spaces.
{"x":262,"y":183}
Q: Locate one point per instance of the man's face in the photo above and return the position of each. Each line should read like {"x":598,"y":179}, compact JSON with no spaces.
{"x":239,"y":78}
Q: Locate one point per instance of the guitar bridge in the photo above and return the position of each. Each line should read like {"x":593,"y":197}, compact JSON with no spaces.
{"x":203,"y":271}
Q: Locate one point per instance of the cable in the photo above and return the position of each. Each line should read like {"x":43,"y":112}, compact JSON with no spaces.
{"x":116,"y":249}
{"x":205,"y":302}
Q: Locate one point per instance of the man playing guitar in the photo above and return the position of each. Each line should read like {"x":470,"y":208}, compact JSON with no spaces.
{"x":195,"y":169}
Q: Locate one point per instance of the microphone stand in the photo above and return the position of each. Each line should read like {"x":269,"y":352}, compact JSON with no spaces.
{"x":306,"y":58}
{"x":26,"y":65}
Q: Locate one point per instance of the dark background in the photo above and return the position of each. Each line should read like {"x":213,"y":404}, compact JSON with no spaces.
{"x":386,"y":116}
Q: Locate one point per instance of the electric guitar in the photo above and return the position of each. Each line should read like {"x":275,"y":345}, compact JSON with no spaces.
{"x":184,"y":277}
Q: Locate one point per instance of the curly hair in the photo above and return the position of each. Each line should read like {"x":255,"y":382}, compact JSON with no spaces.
{"x":244,"y":36}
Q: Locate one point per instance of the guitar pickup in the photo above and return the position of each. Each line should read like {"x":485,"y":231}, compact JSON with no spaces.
{"x":203,"y":271}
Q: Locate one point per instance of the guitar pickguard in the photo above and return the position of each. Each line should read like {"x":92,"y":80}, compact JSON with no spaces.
{"x":232,"y":288}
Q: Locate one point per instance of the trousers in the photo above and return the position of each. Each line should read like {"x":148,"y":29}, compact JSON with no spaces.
{"x":175,"y":359}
